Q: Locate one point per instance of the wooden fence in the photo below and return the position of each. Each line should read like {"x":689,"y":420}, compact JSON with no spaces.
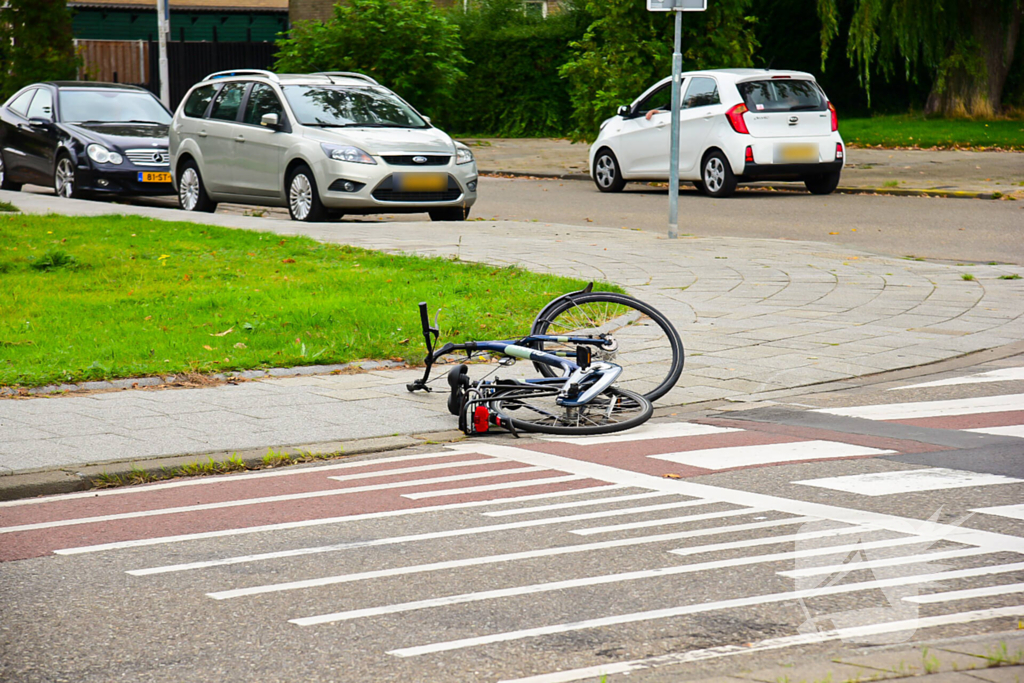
{"x":114,"y":61}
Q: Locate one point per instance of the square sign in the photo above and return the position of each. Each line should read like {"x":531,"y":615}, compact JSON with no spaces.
{"x":681,"y":5}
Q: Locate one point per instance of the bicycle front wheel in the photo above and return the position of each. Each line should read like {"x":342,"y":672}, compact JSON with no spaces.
{"x":534,"y":409}
{"x":641,"y":339}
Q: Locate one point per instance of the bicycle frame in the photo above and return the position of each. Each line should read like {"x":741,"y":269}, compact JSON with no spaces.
{"x":574,"y":373}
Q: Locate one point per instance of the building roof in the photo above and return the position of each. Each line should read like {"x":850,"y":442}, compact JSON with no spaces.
{"x":187,"y":5}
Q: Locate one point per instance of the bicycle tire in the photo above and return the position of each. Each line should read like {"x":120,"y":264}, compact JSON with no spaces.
{"x":533,"y":409}
{"x":650,"y":350}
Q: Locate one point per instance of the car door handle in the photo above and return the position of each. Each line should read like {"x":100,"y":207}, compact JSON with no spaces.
{"x":202,"y":133}
{"x":240,"y":138}
{"x":709,"y":114}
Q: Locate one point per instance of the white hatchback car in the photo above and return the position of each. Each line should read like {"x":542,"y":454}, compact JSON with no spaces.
{"x":323,"y":145}
{"x":736,"y":126}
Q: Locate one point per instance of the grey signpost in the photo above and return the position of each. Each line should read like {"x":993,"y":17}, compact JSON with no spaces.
{"x":677,"y":6}
{"x":163,"y":28}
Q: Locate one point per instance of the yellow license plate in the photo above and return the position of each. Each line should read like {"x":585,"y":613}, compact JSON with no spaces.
{"x":154,"y":177}
{"x":421,"y":182}
{"x":797,"y":153}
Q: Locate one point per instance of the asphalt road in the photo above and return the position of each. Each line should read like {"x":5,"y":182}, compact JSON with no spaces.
{"x":506,"y":560}
{"x":957,"y":230}
{"x":924,"y":227}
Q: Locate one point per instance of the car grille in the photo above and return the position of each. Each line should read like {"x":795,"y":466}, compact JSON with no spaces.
{"x":385,"y":192}
{"x":407,"y":160}
{"x":148,"y":157}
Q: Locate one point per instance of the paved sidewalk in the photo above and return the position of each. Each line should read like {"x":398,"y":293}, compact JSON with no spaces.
{"x":756,"y":316}
{"x":993,"y":658}
{"x":885,"y":170}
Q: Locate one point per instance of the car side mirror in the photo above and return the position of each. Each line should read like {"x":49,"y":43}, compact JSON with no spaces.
{"x":625,"y":111}
{"x":40,"y":121}
{"x":270,"y":120}
{"x":427,"y":119}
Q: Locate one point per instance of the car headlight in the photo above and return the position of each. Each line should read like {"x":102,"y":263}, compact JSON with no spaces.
{"x":347,"y":153}
{"x":463,"y":155}
{"x":102,"y":155}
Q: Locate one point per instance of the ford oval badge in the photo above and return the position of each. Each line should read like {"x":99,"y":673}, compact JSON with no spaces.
{"x":419,"y":160}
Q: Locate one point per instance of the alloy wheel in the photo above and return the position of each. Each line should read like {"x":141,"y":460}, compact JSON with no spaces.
{"x":714,"y":174}
{"x":300,"y":196}
{"x":605,"y":171}
{"x":188,"y":189}
{"x":65,"y":178}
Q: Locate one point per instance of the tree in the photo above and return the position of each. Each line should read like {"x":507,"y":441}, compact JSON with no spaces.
{"x":409,"y":46}
{"x":967,"y":45}
{"x":626,"y":49}
{"x":36,"y":44}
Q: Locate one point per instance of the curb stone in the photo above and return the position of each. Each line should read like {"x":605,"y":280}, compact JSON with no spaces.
{"x":50,"y":482}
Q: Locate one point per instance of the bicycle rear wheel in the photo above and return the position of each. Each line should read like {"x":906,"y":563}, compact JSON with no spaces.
{"x":534,"y":409}
{"x":645,"y":343}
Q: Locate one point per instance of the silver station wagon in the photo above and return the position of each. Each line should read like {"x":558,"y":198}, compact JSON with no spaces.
{"x":324,"y":145}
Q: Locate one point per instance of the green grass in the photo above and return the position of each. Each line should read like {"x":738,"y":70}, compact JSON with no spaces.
{"x":7,"y":207}
{"x":124,"y":296}
{"x":909,"y":130}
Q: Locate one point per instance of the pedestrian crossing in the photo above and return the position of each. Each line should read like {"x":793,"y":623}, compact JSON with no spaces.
{"x":512,"y":529}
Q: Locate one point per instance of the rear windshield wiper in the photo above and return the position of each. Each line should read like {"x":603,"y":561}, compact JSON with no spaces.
{"x":805,"y":107}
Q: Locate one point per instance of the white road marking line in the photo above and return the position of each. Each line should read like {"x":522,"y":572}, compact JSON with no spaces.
{"x":886,"y":562}
{"x":507,"y":557}
{"x":907,"y":481}
{"x":266,"y":499}
{"x":662,"y":522}
{"x":799,"y":508}
{"x":660,"y":430}
{"x":573,"y":504}
{"x":120,"y":545}
{"x":744,"y":456}
{"x":804,"y":536}
{"x":704,"y":607}
{"x":392,"y":540}
{"x":1000,"y":375}
{"x":1011,"y":511}
{"x":589,"y":581}
{"x":907,"y":411}
{"x":418,"y":468}
{"x":854,"y":632}
{"x":220,"y":479}
{"x":967,"y":594}
{"x":1012,"y":430}
{"x":518,"y":484}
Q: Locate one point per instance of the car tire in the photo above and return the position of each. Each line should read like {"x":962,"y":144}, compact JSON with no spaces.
{"x":5,"y":182}
{"x":192,"y":191}
{"x":699,"y":185}
{"x":607,"y":174}
{"x":65,"y":178}
{"x":303,"y":197}
{"x":716,"y":175}
{"x":822,"y":183}
{"x":449,"y":213}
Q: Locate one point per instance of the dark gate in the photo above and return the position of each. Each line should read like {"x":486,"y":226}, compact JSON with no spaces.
{"x":188,"y":63}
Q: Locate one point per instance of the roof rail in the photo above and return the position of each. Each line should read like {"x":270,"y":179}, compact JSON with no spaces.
{"x":243,"y":72}
{"x":347,"y":74}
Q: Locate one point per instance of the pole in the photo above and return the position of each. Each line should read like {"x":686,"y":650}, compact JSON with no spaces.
{"x":163,"y":28}
{"x":673,"y":160}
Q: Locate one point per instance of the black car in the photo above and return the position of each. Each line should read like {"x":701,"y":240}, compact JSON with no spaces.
{"x":85,"y":138}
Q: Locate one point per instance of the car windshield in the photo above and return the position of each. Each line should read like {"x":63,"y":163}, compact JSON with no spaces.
{"x":111,"y":106}
{"x":340,"y":106}
{"x":782,"y":94}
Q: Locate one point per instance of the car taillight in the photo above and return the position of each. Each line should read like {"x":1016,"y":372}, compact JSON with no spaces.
{"x":735,"y":116}
{"x":839,"y":150}
{"x":835,"y":117}
{"x":749,"y":156}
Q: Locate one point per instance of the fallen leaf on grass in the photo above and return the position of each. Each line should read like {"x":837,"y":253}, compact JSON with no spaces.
{"x":240,"y":345}
{"x":224,"y":333}
{"x":404,"y":341}
{"x":288,"y":260}
{"x":207,"y":347}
